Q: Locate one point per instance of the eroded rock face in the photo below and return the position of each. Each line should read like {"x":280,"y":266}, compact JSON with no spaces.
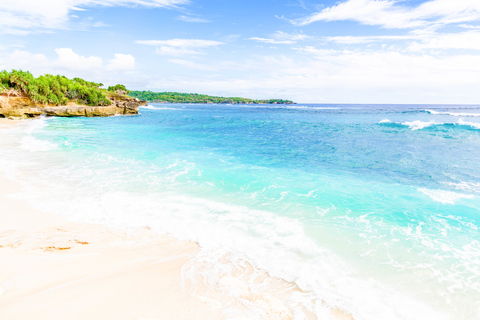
{"x":21,"y":107}
{"x":18,"y":107}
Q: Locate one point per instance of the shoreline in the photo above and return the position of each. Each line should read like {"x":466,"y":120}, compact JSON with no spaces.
{"x":53,"y":268}
{"x":56,"y":269}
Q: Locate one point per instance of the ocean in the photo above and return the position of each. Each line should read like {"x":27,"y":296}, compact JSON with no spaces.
{"x":369,"y":209}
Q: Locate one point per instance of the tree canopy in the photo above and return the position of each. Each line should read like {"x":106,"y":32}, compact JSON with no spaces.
{"x":120,"y":87}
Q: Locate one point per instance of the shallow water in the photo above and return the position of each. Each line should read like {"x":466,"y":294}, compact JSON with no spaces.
{"x":372,"y":209}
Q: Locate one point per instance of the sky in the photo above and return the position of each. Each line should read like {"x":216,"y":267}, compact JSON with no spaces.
{"x":310,"y":51}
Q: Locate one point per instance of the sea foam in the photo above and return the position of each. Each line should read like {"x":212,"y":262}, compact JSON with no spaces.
{"x":474,"y":125}
{"x":418,"y":124}
{"x":32,"y":144}
{"x":150,"y":107}
{"x":445,"y":197}
{"x":455,"y":114}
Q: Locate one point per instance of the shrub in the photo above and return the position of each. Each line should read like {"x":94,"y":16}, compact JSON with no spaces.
{"x":120,"y":87}
{"x":55,"y":90}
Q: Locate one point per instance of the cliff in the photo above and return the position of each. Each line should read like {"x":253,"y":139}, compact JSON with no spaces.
{"x":20,"y":106}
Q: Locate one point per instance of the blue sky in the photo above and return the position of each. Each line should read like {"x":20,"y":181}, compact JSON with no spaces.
{"x":347,"y":51}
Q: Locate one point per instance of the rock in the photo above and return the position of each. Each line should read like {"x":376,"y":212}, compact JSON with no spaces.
{"x":18,"y":107}
{"x":121,"y":92}
{"x":21,"y":107}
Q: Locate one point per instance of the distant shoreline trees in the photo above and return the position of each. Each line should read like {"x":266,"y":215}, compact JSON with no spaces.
{"x":177,"y":97}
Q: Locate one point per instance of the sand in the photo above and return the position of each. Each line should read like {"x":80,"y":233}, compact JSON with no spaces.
{"x":54,"y":269}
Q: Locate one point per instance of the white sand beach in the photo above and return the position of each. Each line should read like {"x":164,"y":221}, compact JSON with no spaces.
{"x":54,"y":269}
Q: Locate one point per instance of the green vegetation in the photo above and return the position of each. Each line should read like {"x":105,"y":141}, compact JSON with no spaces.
{"x":59,"y":90}
{"x":53,"y":90}
{"x":120,"y":87}
{"x":176,"y":97}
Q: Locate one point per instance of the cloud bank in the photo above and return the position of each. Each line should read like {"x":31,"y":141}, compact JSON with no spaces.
{"x":392,"y":14}
{"x":26,"y":16}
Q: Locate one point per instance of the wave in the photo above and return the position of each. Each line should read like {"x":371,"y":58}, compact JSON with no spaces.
{"x":150,"y":107}
{"x":310,"y":108}
{"x":465,"y":186}
{"x":280,"y":106}
{"x":419,"y":124}
{"x":455,"y":114}
{"x":474,"y":125}
{"x":32,"y":144}
{"x":269,"y":106}
{"x":29,"y":143}
{"x":444,"y":197}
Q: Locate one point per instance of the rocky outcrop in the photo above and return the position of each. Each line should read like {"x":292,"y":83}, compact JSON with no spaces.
{"x":21,"y":107}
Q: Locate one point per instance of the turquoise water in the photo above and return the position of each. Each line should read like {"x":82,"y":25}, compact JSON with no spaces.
{"x":373,"y":209}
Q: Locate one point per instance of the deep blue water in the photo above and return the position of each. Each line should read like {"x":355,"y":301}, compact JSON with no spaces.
{"x":346,"y":201}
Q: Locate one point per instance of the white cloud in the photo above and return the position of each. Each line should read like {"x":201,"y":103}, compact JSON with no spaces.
{"x":367,"y":39}
{"x":174,"y":51}
{"x":193,"y":65}
{"x":316,"y":51}
{"x":469,"y":40}
{"x":392,"y":14}
{"x":192,"y":19}
{"x":463,"y":40}
{"x":272,"y":41}
{"x":121,"y":62}
{"x":68,"y":63}
{"x":180,"y":46}
{"x":183,"y":43}
{"x":69,"y":60}
{"x":469,"y":26}
{"x":281,"y":38}
{"x":460,"y":40}
{"x":25,"y":16}
{"x":25,"y":60}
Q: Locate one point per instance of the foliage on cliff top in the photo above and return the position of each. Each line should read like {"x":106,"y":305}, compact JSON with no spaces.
{"x":53,"y":90}
{"x":118,"y":87}
{"x":176,"y":97}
